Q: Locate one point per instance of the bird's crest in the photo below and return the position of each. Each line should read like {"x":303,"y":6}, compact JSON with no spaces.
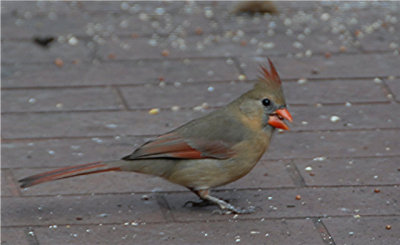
{"x":270,"y":77}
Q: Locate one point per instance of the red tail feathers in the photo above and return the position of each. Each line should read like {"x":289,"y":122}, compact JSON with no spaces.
{"x":62,"y":173}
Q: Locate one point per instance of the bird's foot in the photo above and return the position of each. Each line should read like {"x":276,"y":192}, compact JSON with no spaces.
{"x":202,"y":203}
{"x":229,"y":209}
{"x":226,"y":208}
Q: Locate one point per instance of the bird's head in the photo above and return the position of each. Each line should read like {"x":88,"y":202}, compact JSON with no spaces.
{"x":266,"y":101}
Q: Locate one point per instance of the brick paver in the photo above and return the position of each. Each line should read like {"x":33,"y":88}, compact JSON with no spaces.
{"x":117,"y":60}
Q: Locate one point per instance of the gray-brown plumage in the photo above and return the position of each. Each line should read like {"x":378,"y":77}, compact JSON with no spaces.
{"x":207,"y":152}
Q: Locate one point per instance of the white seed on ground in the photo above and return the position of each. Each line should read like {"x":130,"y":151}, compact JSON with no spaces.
{"x":308,"y":168}
{"x":335,"y":118}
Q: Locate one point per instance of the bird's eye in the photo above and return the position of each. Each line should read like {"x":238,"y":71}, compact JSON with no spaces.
{"x":266,"y":102}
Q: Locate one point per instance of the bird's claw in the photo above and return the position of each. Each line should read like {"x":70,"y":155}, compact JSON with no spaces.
{"x":229,"y":209}
{"x":202,"y":203}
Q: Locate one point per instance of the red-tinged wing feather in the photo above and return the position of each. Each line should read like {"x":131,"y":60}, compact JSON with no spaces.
{"x":173,"y":146}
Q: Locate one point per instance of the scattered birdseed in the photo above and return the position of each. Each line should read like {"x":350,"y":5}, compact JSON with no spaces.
{"x":72,"y":40}
{"x":154,"y":111}
{"x":199,"y":31}
{"x":335,"y":118}
{"x":210,"y":89}
{"x":376,"y":190}
{"x":388,"y":227}
{"x":237,"y":238}
{"x":97,"y":140}
{"x":165,"y":53}
{"x":159,"y":11}
{"x":32,"y":100}
{"x":302,"y":81}
{"x":145,"y":197}
{"x":319,"y":159}
{"x":125,"y":6}
{"x":111,"y":125}
{"x":351,"y":233}
{"x":208,"y":12}
{"x":175,"y":108}
{"x":393,"y":45}
{"x":254,"y":232}
{"x":59,"y":62}
{"x":242,"y":77}
{"x":59,"y":105}
{"x":328,"y":55}
{"x":356,"y":216}
{"x":325,"y":17}
{"x":298,"y":197}
{"x":298,"y":45}
{"x":308,"y":168}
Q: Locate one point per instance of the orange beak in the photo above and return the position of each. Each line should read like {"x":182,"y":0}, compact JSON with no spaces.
{"x":276,"y":119}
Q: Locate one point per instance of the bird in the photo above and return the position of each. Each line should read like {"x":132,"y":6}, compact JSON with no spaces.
{"x":207,"y":152}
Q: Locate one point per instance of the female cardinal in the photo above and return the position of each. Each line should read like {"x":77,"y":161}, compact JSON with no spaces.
{"x":210,"y":151}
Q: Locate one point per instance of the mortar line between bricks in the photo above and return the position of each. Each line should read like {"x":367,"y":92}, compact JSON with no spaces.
{"x":294,"y":174}
{"x":242,"y":218}
{"x":252,"y":189}
{"x":4,"y":140}
{"x":197,"y":83}
{"x":183,"y":108}
{"x":280,"y":55}
{"x":121,"y":98}
{"x":388,"y":91}
{"x":284,"y":55}
{"x":164,"y":207}
{"x":323,"y":231}
{"x":16,"y":191}
{"x":237,"y":65}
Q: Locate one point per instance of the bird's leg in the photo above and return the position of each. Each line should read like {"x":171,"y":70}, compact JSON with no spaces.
{"x":204,"y":195}
{"x":202,"y":203}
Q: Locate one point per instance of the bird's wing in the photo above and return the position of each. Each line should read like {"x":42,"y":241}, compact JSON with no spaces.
{"x":173,"y":145}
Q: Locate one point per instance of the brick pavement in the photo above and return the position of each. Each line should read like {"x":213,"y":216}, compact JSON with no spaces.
{"x":119,"y":60}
